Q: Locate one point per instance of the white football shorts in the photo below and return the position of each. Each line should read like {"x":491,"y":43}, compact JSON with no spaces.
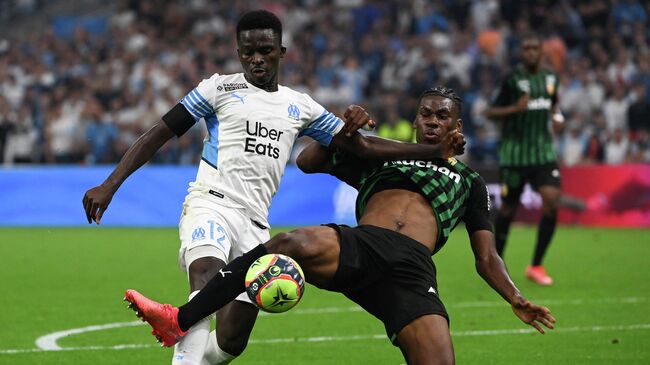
{"x":209,"y":228}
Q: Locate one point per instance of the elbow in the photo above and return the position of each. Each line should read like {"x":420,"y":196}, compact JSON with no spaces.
{"x":485,"y":263}
{"x":304,"y":165}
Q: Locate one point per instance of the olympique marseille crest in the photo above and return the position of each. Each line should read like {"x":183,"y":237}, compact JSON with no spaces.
{"x":294,"y":112}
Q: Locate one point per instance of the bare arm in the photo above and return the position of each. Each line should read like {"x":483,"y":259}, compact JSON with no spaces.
{"x":97,"y":199}
{"x":315,"y":158}
{"x":500,"y":112}
{"x":376,"y":148}
{"x":492,"y":269}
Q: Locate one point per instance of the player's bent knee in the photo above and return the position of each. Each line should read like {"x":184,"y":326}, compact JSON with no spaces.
{"x":295,"y":244}
{"x":234,"y":346}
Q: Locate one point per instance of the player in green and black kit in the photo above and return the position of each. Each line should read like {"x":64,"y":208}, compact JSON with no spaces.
{"x":525,"y":104}
{"x":406,"y":211}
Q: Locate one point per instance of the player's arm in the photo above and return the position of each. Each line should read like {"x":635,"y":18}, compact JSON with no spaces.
{"x":557,"y":118}
{"x":502,"y":107}
{"x":491,"y":267}
{"x":176,"y":122}
{"x":315,"y":158}
{"x":371,"y":147}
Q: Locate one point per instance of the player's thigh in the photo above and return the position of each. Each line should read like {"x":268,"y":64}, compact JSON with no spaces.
{"x":235,"y":322}
{"x":316,"y":249}
{"x":250,"y":235}
{"x":207,"y":232}
{"x":427,"y":340}
{"x":512,"y":184}
{"x":546,"y":181}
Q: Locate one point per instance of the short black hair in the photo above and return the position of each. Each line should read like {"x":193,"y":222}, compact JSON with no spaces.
{"x":260,"y":19}
{"x":448,"y":93}
{"x":531,"y":36}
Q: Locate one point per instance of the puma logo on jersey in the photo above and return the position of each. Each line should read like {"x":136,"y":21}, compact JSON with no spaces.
{"x":427,"y":164}
{"x":238,"y":97}
{"x":223,"y":273}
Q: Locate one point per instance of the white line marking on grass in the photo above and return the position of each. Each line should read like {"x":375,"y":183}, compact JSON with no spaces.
{"x":49,"y":342}
{"x":514,"y":331}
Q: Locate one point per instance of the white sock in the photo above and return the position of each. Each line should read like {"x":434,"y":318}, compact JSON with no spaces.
{"x":189,"y":350}
{"x":214,"y":355}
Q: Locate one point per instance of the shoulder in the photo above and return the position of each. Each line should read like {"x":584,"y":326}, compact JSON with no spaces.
{"x":296,"y":95}
{"x":308,"y":108}
{"x":472,"y":177}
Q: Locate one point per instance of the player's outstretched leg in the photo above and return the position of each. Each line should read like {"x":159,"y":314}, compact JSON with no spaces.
{"x":161,"y":317}
{"x":427,"y":341}
{"x":170,"y":323}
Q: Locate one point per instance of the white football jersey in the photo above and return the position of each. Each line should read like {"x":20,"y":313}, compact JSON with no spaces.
{"x":250,"y":136}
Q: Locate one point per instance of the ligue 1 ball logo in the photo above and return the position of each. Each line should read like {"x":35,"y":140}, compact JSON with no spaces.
{"x":275,"y":283}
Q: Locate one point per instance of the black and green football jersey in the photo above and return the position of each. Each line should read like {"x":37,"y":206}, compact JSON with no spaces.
{"x":455,"y":191}
{"x":526,"y":137}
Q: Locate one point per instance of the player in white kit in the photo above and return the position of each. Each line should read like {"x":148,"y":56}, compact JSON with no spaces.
{"x":252,"y":123}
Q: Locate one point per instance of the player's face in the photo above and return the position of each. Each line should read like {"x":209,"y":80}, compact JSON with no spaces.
{"x":437,"y":116}
{"x":531,"y":52}
{"x":259,"y":53}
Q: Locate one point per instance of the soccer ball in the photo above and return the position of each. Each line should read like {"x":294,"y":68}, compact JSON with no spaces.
{"x":275,"y":283}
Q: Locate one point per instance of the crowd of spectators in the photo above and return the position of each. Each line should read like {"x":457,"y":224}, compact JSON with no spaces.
{"x":82,"y":95}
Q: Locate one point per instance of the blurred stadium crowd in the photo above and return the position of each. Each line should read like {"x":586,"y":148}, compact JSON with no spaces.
{"x":85,"y":88}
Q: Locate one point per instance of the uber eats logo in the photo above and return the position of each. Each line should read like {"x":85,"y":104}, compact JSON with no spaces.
{"x":262,"y":147}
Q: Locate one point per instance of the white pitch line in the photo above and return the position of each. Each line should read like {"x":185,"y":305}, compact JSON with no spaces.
{"x":514,"y":331}
{"x":49,"y":342}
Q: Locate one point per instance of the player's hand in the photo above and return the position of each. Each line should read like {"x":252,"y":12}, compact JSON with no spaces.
{"x":355,"y":117}
{"x":533,"y":314}
{"x":522,"y":103}
{"x":455,"y":143}
{"x":96,"y":202}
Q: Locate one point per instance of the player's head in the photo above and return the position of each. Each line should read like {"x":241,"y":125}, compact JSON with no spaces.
{"x":438,"y":114}
{"x":259,"y":46}
{"x":531,"y":50}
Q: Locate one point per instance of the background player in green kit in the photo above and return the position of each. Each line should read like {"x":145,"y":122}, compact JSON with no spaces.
{"x":406,"y":210}
{"x":525,"y":103}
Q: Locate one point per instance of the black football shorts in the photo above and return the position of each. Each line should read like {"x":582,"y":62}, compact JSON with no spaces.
{"x":513,"y":179}
{"x":388,"y":274}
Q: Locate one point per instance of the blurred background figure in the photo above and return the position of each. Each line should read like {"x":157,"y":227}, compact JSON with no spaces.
{"x":135,"y":59}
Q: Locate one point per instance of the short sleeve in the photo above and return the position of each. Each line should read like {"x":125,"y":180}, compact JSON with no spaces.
{"x":322,"y":125}
{"x":477,"y":215}
{"x":200,"y":102}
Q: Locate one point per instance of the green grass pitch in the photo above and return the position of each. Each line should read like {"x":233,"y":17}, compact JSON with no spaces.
{"x":63,"y":287}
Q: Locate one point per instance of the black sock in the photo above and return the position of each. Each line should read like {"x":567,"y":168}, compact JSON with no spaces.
{"x":223,"y":288}
{"x":501,"y":229}
{"x":544,"y":234}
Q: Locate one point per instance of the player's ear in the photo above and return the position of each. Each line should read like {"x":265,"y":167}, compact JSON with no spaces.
{"x":459,"y":125}
{"x":283,"y":51}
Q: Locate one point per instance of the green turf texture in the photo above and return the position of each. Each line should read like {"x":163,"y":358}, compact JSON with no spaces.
{"x":64,"y":278}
